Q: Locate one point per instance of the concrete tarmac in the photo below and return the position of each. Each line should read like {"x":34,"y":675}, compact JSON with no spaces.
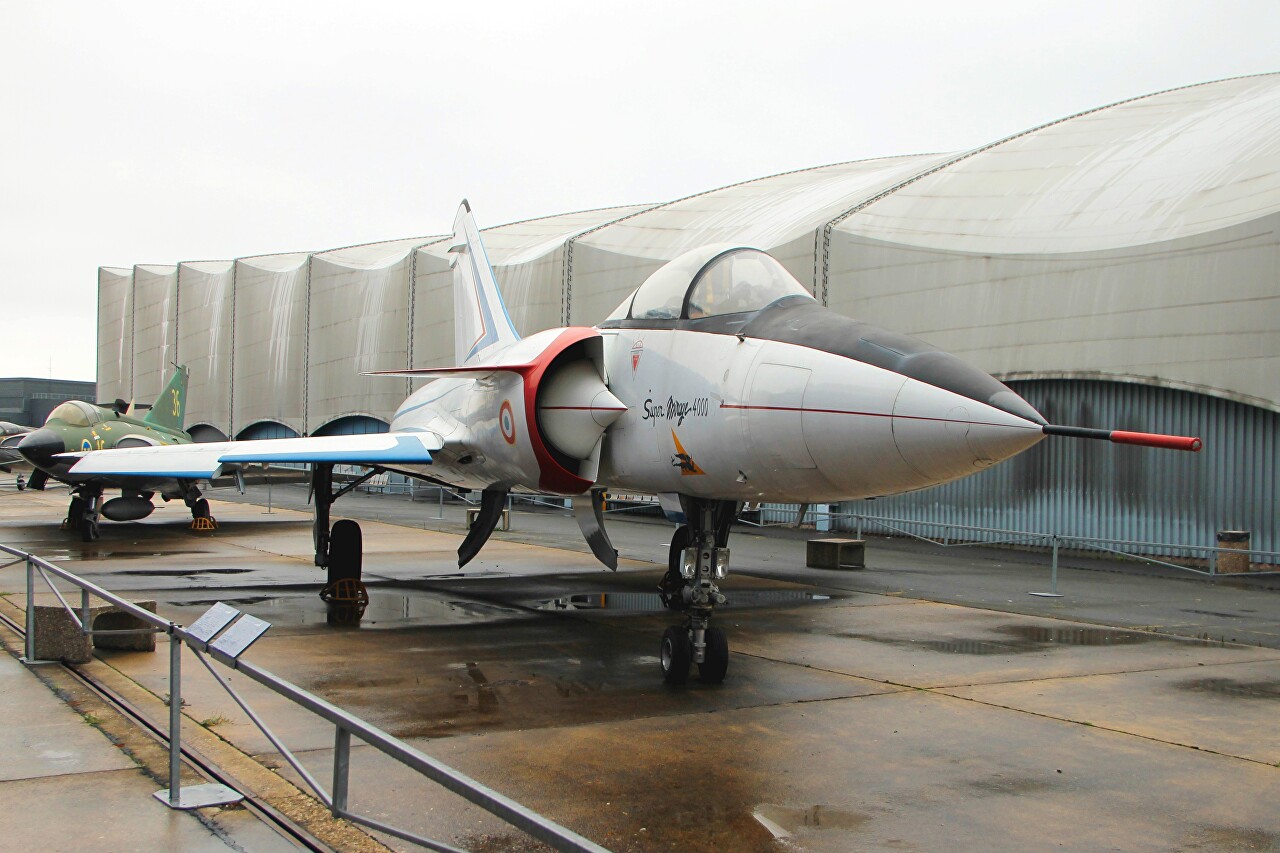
{"x":926,"y":703}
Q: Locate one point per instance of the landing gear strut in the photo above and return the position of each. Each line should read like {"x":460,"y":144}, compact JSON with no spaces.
{"x":339,"y":549}
{"x":82,"y":513}
{"x":698,"y":558}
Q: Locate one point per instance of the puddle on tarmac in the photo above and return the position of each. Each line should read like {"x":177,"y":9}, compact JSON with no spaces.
{"x":247,"y":601}
{"x":1022,"y":639}
{"x":1231,"y":687}
{"x":58,"y":555}
{"x":1209,"y":837}
{"x":386,"y":610}
{"x":649,"y":602}
{"x":785,"y":821}
{"x":182,"y":573}
{"x":1215,"y":613}
{"x":1009,"y":785}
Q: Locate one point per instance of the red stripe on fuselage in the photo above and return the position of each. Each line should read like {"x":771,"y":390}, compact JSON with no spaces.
{"x":870,"y":415}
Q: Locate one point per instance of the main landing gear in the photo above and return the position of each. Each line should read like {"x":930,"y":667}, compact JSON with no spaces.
{"x":83,"y":512}
{"x":201,"y":517}
{"x":339,"y":550}
{"x":698,"y":558}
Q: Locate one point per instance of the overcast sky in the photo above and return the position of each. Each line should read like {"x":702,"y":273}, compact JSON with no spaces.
{"x":158,"y":132}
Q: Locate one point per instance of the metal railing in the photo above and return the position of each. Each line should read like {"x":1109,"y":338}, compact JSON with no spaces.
{"x":961,"y":536}
{"x":345,"y":724}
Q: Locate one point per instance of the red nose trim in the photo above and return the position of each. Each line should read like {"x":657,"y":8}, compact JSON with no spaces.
{"x":1143,"y":439}
{"x":1147,"y":439}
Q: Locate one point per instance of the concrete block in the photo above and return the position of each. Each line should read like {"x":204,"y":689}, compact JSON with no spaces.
{"x":58,"y":636}
{"x":473,"y":512}
{"x":836,"y":553}
{"x":113,"y":619}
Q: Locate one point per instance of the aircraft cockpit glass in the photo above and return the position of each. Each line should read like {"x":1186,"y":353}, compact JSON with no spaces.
{"x":72,"y":413}
{"x":740,"y":281}
{"x":659,"y":298}
{"x":708,"y":282}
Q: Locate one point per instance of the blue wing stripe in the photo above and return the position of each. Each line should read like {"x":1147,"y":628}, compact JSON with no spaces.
{"x":405,"y":451}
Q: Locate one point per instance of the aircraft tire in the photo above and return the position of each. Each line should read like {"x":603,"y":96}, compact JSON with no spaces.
{"x":200,"y":509}
{"x":88,"y":528}
{"x":346,"y":546}
{"x":712,"y":670}
{"x":75,"y":513}
{"x":676,"y":655}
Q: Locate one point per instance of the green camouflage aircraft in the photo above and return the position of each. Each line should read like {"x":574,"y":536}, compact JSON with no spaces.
{"x":76,"y":426}
{"x":10,"y":461}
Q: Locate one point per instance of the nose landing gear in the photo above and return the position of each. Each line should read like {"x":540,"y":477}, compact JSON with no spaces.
{"x":697,"y":559}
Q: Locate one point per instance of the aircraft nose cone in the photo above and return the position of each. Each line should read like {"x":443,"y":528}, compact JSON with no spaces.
{"x":944,"y":436}
{"x":40,"y":446}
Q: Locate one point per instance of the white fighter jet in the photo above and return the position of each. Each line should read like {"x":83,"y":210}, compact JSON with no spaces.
{"x":720,"y":380}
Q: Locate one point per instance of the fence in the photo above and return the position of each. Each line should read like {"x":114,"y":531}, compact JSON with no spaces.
{"x":960,"y":535}
{"x":220,"y":640}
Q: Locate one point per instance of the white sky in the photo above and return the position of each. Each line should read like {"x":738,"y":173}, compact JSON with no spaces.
{"x":158,"y":132}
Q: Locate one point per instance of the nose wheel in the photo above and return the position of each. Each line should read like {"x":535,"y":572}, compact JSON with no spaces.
{"x":677,"y":655}
{"x":697,"y":559}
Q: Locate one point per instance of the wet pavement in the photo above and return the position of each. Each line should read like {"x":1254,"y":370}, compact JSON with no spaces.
{"x":927,"y":703}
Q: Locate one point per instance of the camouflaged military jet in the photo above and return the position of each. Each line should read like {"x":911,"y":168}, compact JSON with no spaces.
{"x":76,"y":426}
{"x":10,"y":435}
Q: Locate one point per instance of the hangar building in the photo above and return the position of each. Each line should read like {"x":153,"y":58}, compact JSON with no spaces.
{"x":1119,"y":268}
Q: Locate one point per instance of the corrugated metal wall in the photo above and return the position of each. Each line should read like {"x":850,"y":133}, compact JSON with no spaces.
{"x":1076,"y":487}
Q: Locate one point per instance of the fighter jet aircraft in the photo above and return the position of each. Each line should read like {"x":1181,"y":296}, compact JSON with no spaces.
{"x":10,"y":435}
{"x":719,"y":380}
{"x":79,"y":426}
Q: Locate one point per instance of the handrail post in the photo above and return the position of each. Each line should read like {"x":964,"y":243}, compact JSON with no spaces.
{"x":1053,"y":578}
{"x":31,"y":609}
{"x":341,"y":771}
{"x":86,"y":623}
{"x":175,"y":718}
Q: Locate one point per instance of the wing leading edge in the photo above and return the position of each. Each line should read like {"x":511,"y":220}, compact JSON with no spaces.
{"x":205,"y":461}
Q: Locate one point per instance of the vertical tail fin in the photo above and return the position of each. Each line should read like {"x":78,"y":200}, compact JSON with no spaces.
{"x":170,"y":408}
{"x":480,"y":319}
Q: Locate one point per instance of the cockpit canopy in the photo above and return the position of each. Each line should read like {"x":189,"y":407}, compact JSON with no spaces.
{"x":75,"y":413}
{"x":711,"y":281}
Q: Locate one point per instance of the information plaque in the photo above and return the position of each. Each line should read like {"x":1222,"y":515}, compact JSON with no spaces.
{"x":240,"y":636}
{"x":214,"y":620}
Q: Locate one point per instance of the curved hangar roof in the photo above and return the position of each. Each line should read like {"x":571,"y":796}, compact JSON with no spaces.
{"x":1156,"y":168}
{"x":1138,"y":241}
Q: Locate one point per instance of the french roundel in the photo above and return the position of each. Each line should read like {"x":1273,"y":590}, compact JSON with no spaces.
{"x":507,"y":422}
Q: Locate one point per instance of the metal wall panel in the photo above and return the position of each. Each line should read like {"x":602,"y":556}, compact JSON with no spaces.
{"x":1077,"y":487}
{"x":204,"y":340}
{"x":1203,"y":311}
{"x":358,"y":321}
{"x":268,"y":380}
{"x":154,"y":329}
{"x":601,"y":279}
{"x":431,"y":336}
{"x":115,"y":333}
